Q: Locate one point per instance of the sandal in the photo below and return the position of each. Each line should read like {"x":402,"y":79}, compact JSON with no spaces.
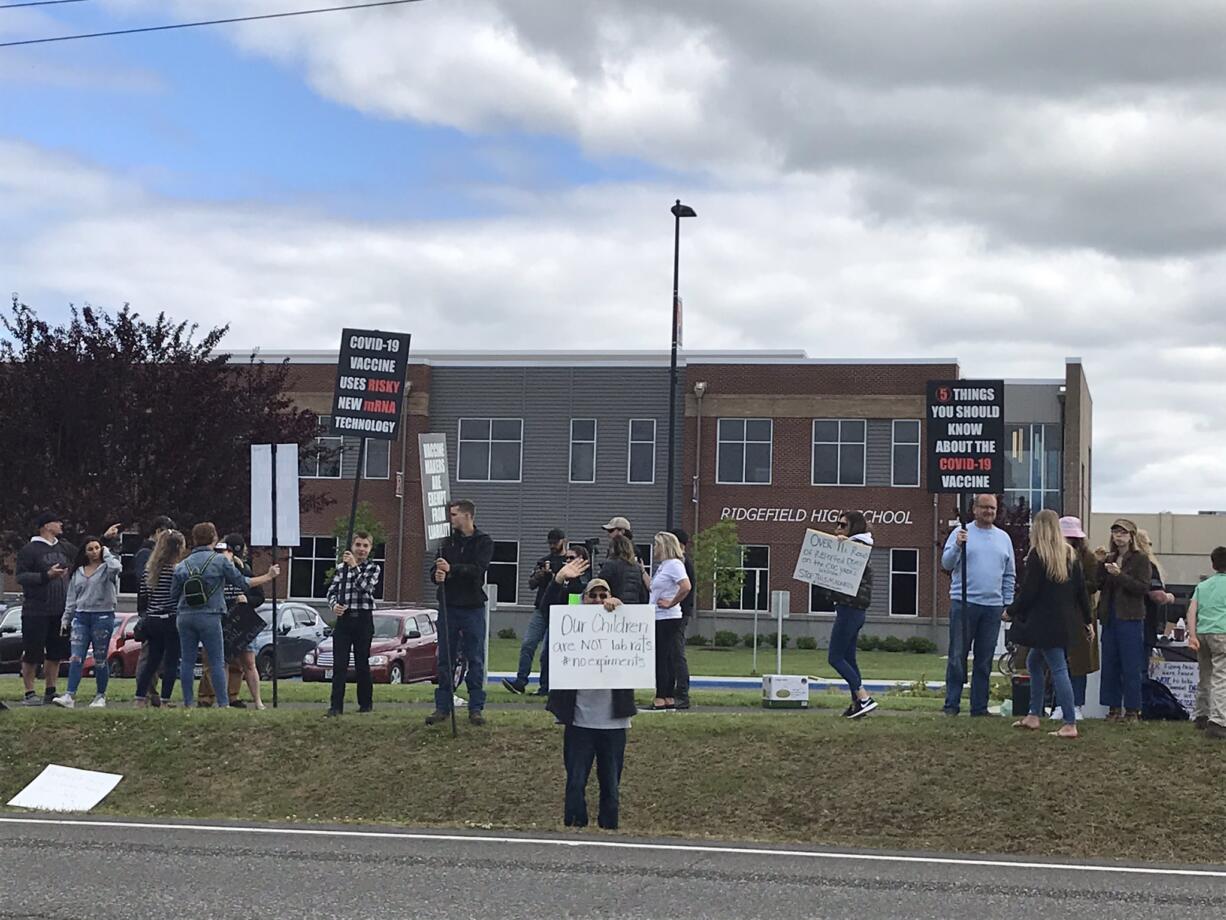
{"x":1061,"y":733}
{"x":659,"y":704}
{"x":1030,"y":727}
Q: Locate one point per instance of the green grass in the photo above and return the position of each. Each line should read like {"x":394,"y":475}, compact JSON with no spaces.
{"x":906,"y":782}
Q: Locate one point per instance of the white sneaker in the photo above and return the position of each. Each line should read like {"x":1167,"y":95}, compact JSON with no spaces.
{"x":98,"y":703}
{"x":65,"y":701}
{"x":458,"y":701}
{"x":1057,"y":714}
{"x":1078,"y":713}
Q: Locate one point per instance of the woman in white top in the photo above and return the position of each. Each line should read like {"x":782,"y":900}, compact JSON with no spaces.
{"x":669,"y":586}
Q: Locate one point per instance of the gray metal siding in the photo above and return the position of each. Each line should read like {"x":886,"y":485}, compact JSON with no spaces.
{"x":878,"y":451}
{"x":525,"y":511}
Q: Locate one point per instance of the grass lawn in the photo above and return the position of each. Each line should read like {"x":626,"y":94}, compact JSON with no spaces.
{"x":908,"y":782}
{"x":738,"y":662}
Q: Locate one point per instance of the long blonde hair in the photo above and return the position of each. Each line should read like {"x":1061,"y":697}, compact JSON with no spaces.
{"x":169,"y":550}
{"x":1049,"y":545}
{"x":1144,"y":545}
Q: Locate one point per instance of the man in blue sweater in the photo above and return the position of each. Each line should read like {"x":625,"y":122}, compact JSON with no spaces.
{"x":990,"y":576}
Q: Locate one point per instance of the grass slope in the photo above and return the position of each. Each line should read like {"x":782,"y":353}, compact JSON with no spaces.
{"x":911,"y":782}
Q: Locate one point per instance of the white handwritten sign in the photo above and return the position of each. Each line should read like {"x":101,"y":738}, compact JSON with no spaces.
{"x":66,"y":789}
{"x":1182,"y":678}
{"x":591,"y":648}
{"x":831,"y":563}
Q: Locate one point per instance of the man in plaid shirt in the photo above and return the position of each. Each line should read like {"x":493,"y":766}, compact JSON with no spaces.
{"x":352,"y":598}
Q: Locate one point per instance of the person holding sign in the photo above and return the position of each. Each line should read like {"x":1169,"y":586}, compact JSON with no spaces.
{"x":849,"y":618}
{"x":990,"y":577}
{"x":669,"y":586}
{"x":596,"y":723}
{"x":352,"y":598}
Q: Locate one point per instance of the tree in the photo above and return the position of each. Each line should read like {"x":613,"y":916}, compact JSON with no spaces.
{"x":364,"y":520}
{"x":717,"y":564}
{"x":110,"y":418}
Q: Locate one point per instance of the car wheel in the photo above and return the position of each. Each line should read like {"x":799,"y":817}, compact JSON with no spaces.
{"x":115,"y":666}
{"x":263,"y":666}
{"x":396,"y":674}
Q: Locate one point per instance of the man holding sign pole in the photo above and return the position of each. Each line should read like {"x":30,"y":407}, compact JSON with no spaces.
{"x":980,"y":559}
{"x":351,"y":595}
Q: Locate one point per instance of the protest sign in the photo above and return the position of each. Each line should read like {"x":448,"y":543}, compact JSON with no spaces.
{"x":435,"y":488}
{"x":591,"y":648}
{"x":239,"y":627}
{"x":370,"y":383}
{"x":286,"y":500}
{"x":966,"y":436}
{"x":829,"y":562}
{"x":66,"y":789}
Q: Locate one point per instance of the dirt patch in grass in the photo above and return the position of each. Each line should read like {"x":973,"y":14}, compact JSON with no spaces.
{"x":907,"y":782}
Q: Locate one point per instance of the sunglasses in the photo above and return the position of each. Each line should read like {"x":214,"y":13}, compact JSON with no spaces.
{"x":599,"y":595}
{"x":570,"y":557}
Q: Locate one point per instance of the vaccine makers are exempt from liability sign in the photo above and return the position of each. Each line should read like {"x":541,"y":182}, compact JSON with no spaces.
{"x":966,"y":436}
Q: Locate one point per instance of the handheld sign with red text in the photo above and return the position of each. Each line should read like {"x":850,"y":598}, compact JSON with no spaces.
{"x":370,"y":383}
{"x":966,"y":436}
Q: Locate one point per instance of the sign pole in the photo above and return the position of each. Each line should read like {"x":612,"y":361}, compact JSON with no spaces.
{"x":276,"y":626}
{"x":755,"y":642}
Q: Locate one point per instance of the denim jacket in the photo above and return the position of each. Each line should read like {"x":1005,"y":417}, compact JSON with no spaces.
{"x":216,"y":571}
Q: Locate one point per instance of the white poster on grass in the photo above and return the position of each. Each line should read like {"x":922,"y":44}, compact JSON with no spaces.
{"x":66,"y":789}
{"x":591,"y":648}
{"x":829,"y":562}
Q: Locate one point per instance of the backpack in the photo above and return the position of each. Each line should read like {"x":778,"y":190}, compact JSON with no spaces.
{"x":1158,"y":703}
{"x":195,"y":593}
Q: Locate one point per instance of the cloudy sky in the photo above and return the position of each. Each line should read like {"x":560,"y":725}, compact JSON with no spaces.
{"x":1008,"y":183}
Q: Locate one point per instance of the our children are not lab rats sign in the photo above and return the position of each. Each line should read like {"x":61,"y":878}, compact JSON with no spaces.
{"x":591,"y":648}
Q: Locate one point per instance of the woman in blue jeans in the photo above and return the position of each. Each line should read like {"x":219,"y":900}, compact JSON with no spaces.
{"x":1121,"y":610}
{"x":849,"y":618}
{"x":1053,"y":592}
{"x":89,"y":612}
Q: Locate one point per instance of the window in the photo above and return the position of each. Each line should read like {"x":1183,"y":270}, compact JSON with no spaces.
{"x":905,"y":456}
{"x":583,"y":450}
{"x":904,"y":582}
{"x":641,"y":462}
{"x":491,"y":449}
{"x":323,"y":459}
{"x":424,"y":626}
{"x":755,"y":593}
{"x":313,"y":561}
{"x":1033,"y":457}
{"x":645,"y":551}
{"x":744,"y":451}
{"x":378,"y":459}
{"x":838,"y":452}
{"x":304,"y":616}
{"x":819,"y":601}
{"x":504,"y":571}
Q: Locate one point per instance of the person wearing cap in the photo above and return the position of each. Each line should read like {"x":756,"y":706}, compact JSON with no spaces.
{"x":619,"y":526}
{"x":546,"y":567}
{"x":1121,"y":613}
{"x":1083,"y":646}
{"x":42,"y":569}
{"x":596,"y":723}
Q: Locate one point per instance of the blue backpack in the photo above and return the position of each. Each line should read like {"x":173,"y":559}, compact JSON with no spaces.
{"x":1159,"y":704}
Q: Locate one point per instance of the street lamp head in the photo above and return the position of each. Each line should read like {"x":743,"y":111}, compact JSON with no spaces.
{"x":683,"y":210}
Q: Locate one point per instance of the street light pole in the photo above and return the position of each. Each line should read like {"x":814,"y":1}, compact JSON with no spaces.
{"x":679,"y":211}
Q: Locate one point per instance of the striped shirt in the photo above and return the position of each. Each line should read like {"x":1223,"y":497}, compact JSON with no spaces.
{"x":159,"y":600}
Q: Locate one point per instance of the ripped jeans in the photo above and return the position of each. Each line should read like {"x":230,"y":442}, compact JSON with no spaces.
{"x":87,"y":629}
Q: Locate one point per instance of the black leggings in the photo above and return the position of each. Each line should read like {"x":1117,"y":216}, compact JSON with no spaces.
{"x":666,"y":657}
{"x":162,"y":648}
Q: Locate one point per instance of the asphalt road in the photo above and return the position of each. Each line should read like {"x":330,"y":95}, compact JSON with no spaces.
{"x":95,"y":870}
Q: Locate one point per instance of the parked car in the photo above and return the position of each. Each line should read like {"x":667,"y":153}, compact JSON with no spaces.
{"x":403,"y":650}
{"x":302,"y":629}
{"x":10,"y":646}
{"x":124,"y":652}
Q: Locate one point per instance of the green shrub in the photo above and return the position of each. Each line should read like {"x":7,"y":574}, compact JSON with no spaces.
{"x":771,"y":640}
{"x":697,"y":640}
{"x":507,"y":633}
{"x":725,"y":638}
{"x":747,"y":640}
{"x":921,"y":646}
{"x":806,"y":642}
{"x":866,"y":643}
{"x":892,"y":644}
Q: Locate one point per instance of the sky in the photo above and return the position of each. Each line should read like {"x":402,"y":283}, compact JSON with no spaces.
{"x":1005,"y":183}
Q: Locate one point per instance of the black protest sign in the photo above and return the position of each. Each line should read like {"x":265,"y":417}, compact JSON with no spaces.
{"x":966,"y":436}
{"x":239,"y":627}
{"x":435,"y":488}
{"x":370,"y":383}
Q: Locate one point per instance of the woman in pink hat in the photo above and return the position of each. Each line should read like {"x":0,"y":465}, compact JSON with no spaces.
{"x":1083,"y":647}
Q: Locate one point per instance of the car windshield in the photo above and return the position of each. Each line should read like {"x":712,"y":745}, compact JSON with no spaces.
{"x":387,"y":627}
{"x":12,"y":618}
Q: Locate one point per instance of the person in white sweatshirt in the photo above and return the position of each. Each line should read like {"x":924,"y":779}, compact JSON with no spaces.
{"x":89,"y":611}
{"x":849,"y":619}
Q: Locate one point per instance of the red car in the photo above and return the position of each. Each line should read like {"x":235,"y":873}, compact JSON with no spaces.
{"x":125,"y":650}
{"x":10,"y":646}
{"x":403,"y":650}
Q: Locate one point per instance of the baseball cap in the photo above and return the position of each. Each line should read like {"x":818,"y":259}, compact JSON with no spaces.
{"x":46,"y":518}
{"x":597,"y":583}
{"x":1070,"y":528}
{"x":556,"y":534}
{"x":1124,"y":524}
{"x":618,"y":523}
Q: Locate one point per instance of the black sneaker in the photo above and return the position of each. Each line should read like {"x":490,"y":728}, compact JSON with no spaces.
{"x":1200,"y":723}
{"x":515,"y":686}
{"x":363,"y":709}
{"x":682,"y":704}
{"x":849,"y":710}
{"x":49,"y":696}
{"x":476,"y":718}
{"x":3,"y":707}
{"x":542,"y":691}
{"x":332,"y":713}
{"x":863,"y":707}
{"x":438,"y":717}
{"x":237,"y":704}
{"x":31,"y":699}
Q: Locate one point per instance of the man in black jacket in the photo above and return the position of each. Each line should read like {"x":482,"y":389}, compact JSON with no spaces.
{"x":546,"y":568}
{"x":43,"y":567}
{"x":460,"y":571}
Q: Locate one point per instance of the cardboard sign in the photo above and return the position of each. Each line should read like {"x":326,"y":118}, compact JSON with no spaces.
{"x":966,"y":436}
{"x":829,"y":562}
{"x":239,"y":627}
{"x":287,"y":495}
{"x":370,"y":383}
{"x":66,"y":789}
{"x":591,"y":648}
{"x":1182,"y":678}
{"x":435,"y":488}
